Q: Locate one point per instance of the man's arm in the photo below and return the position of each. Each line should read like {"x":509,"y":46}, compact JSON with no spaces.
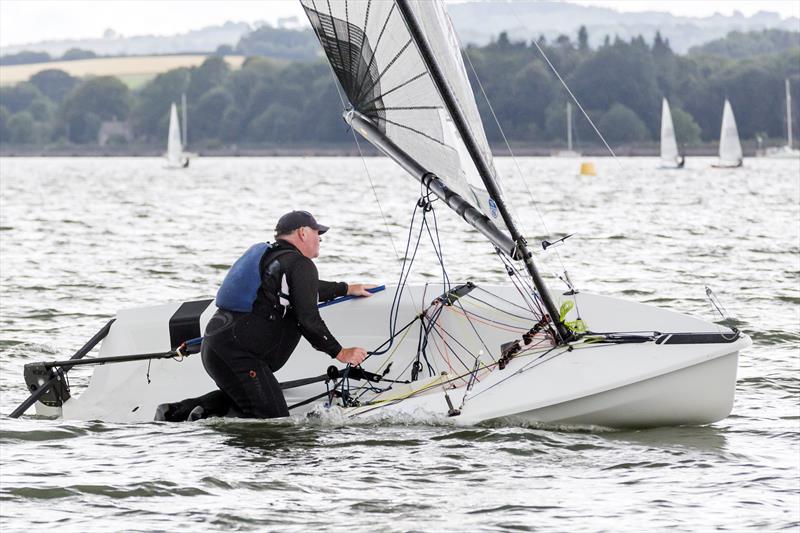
{"x":304,"y":287}
{"x":328,"y":290}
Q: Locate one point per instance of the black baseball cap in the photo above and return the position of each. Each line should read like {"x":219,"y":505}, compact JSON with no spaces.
{"x":297,"y":219}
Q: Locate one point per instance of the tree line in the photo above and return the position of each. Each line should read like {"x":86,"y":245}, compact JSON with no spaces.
{"x":269,"y":102}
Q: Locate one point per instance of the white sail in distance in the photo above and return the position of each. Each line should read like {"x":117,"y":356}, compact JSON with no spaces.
{"x":174,"y":147}
{"x":384,"y":78}
{"x":730,"y":149}
{"x":669,"y":146}
{"x":786,"y":151}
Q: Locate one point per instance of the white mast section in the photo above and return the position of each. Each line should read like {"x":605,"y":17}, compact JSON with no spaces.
{"x":569,"y":126}
{"x":788,"y":114}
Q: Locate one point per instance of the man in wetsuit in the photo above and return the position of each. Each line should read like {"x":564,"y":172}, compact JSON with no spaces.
{"x":242,"y":348}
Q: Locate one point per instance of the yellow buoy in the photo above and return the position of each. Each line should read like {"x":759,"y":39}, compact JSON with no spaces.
{"x":587,"y":169}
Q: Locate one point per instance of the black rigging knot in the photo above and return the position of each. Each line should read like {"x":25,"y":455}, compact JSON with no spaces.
{"x":416,"y":368}
{"x":510,"y":349}
{"x":425,"y":203}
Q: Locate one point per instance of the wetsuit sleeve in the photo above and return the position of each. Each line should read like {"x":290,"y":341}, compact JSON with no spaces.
{"x":328,"y":290}
{"x":304,"y":287}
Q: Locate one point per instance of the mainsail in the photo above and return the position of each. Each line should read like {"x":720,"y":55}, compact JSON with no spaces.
{"x":399,"y":64}
{"x":669,"y":147}
{"x":385,"y":79}
{"x":174,"y":147}
{"x":730,"y":149}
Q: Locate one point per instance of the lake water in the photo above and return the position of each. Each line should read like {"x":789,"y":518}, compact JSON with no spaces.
{"x":83,"y":237}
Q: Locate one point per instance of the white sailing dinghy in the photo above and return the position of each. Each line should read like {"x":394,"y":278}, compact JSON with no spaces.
{"x":670,"y":158}
{"x":787,"y":151}
{"x":730,"y":149}
{"x":569,"y":152}
{"x":468,"y":353}
{"x":175,"y":156}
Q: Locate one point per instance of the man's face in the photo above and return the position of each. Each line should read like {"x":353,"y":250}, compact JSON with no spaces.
{"x":311,"y":240}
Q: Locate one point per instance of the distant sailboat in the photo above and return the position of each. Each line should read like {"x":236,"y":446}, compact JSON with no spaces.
{"x":175,"y":156}
{"x":787,"y":151}
{"x":569,"y":152}
{"x":730,"y":149}
{"x":670,"y":158}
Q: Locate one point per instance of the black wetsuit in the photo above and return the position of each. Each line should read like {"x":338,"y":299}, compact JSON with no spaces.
{"x":242,"y":351}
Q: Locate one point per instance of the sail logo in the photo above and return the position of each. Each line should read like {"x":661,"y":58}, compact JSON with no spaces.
{"x":492,"y":208}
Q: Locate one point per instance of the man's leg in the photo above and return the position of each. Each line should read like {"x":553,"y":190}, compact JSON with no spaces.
{"x":214,"y":403}
{"x":246,"y":379}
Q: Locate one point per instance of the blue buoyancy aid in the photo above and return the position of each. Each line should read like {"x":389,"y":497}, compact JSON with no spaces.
{"x":240,"y":287}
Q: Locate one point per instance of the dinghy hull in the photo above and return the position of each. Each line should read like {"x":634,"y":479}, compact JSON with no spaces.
{"x":664,"y":381}
{"x":699,"y":394}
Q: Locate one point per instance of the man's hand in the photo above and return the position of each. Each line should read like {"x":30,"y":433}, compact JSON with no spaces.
{"x":353,"y":356}
{"x":359,"y":289}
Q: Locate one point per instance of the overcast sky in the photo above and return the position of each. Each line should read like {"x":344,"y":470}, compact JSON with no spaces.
{"x":27,"y":21}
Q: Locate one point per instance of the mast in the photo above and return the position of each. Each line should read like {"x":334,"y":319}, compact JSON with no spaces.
{"x":569,"y":126}
{"x":484,"y":171}
{"x":367,"y":129}
{"x":788,"y":114}
{"x":185,"y":125}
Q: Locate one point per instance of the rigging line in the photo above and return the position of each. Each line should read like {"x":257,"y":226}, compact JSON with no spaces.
{"x":503,"y":299}
{"x":400,"y":282}
{"x":375,"y":192}
{"x":513,"y":157}
{"x":437,"y":250}
{"x":450,"y":348}
{"x":526,"y":294}
{"x":484,"y":314}
{"x":489,"y":322}
{"x":574,"y":98}
{"x":439,"y":330}
{"x":363,"y":161}
{"x":501,"y":310}
{"x":521,"y":370}
{"x":389,"y":341}
{"x":474,"y":329}
{"x":380,"y":207}
{"x":432,"y":369}
{"x":394,"y":311}
{"x":520,"y":278}
{"x":505,"y":140}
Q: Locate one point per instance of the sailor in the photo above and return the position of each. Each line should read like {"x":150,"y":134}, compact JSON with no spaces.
{"x":267,"y":301}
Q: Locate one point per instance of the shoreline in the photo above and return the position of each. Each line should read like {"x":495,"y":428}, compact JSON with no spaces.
{"x":341,"y":150}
